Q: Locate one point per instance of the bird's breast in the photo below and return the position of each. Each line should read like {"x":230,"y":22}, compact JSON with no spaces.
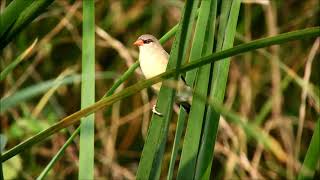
{"x":152,"y":63}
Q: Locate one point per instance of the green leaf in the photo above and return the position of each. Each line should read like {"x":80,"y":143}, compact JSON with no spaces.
{"x":86,"y":159}
{"x":312,"y":157}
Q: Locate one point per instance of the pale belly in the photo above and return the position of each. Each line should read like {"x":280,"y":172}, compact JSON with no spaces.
{"x":152,"y":66}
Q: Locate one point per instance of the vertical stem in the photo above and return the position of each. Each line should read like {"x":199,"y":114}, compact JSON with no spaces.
{"x":302,"y":110}
{"x":86,"y":160}
{"x":271,"y":20}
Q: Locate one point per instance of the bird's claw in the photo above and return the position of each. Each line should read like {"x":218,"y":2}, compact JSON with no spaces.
{"x":154,"y":110}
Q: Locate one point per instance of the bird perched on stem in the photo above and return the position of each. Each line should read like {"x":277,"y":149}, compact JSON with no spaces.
{"x":153,"y":61}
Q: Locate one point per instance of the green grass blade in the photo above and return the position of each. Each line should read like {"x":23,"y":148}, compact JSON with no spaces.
{"x":11,"y":13}
{"x":14,"y":64}
{"x":202,"y":45}
{"x":200,"y":37}
{"x":74,"y":118}
{"x":27,"y":16}
{"x":124,"y":77}
{"x":176,"y":143}
{"x":312,"y":157}
{"x":151,"y":158}
{"x":226,"y":34}
{"x":32,"y":91}
{"x":86,"y":152}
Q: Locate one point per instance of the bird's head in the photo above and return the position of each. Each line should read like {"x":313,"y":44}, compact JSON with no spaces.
{"x":147,"y":41}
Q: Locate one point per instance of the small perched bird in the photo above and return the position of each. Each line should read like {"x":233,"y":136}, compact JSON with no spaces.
{"x":153,"y":61}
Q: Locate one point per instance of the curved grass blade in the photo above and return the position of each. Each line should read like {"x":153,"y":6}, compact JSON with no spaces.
{"x":32,"y":91}
{"x":27,"y":16}
{"x":11,"y":13}
{"x":226,"y":34}
{"x":153,"y":150}
{"x":74,"y":118}
{"x":19,"y":59}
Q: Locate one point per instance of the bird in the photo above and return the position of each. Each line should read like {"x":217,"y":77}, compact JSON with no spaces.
{"x":153,"y":60}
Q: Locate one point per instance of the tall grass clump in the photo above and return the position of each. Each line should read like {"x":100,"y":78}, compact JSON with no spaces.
{"x":245,"y":121}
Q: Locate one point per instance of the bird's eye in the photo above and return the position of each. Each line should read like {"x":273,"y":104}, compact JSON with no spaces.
{"x":147,"y":41}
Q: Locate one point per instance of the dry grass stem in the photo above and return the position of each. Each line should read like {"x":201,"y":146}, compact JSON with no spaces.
{"x":304,"y":93}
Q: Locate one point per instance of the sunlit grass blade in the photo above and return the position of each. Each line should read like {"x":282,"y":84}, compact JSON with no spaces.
{"x":27,"y":16}
{"x":86,"y":151}
{"x":226,"y":34}
{"x":35,"y":90}
{"x":74,"y":118}
{"x":11,"y":13}
{"x":312,"y":157}
{"x":202,"y":45}
{"x":15,"y":62}
{"x":152,"y":154}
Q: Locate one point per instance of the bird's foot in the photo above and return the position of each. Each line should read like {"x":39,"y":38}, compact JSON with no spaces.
{"x":154,"y":110}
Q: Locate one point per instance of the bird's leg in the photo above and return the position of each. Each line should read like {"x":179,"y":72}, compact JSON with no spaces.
{"x":154,"y":110}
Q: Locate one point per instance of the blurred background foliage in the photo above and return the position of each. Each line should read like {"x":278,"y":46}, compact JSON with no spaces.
{"x":121,"y":129}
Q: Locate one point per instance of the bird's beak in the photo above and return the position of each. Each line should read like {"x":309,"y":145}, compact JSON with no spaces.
{"x":138,"y":42}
